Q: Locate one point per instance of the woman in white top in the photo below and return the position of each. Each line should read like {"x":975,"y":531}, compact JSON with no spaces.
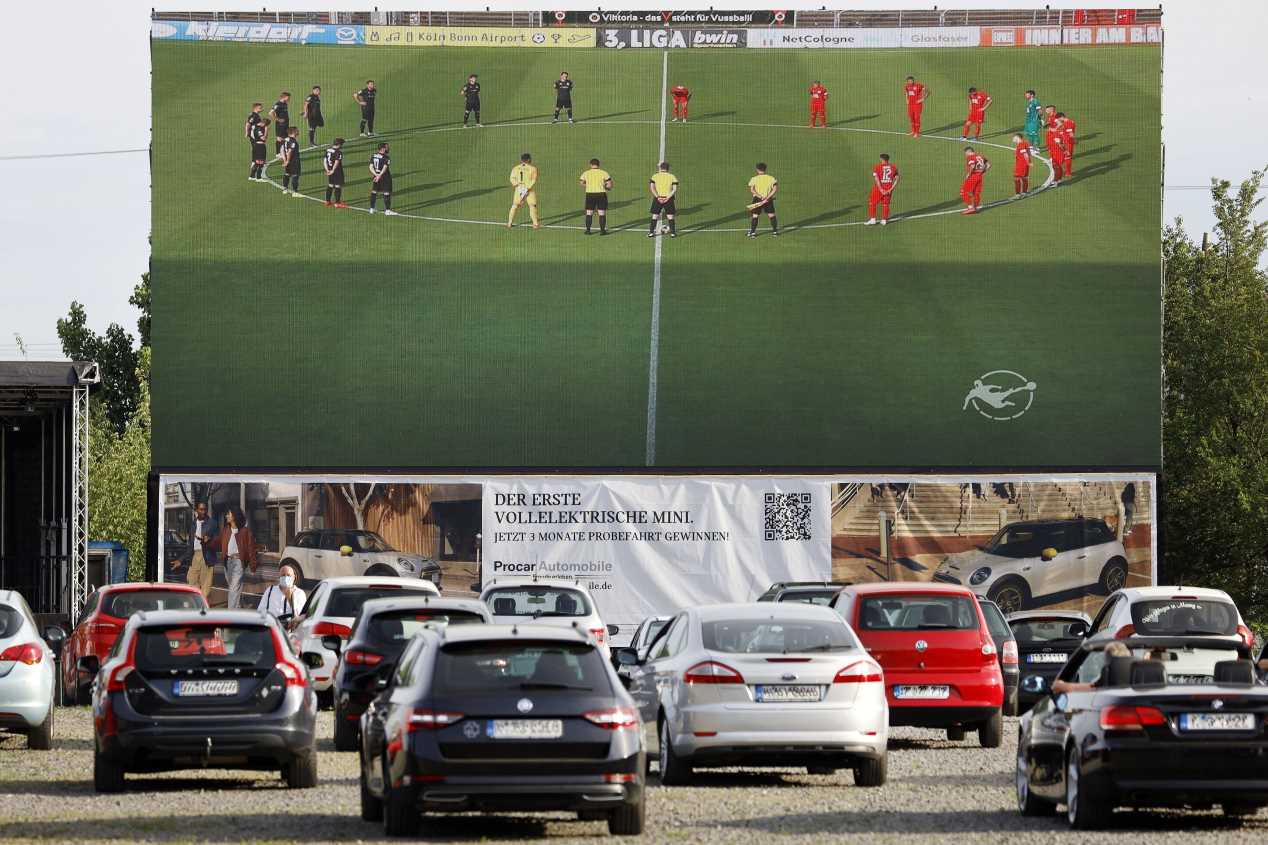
{"x":284,"y":598}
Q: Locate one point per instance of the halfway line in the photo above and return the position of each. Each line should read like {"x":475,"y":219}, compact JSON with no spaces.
{"x":654,"y":355}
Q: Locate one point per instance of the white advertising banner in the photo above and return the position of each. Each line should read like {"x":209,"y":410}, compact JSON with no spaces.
{"x":648,"y":546}
{"x":842,"y":38}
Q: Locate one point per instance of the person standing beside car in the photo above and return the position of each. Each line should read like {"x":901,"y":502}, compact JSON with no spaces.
{"x":285,"y":598}
{"x":235,"y":545}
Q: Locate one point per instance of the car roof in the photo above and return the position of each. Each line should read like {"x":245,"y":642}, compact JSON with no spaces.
{"x":1072,"y":615}
{"x":374,"y":580}
{"x":132,"y":586}
{"x":790,"y":585}
{"x":908,"y":588}
{"x":530,"y":581}
{"x":766,"y":610}
{"x":483,"y":633}
{"x":427,"y":600}
{"x":1138,"y":593}
{"x":217,"y":616}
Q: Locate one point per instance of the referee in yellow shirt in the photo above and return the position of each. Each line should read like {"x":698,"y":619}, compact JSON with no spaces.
{"x":663,"y":187}
{"x":763,"y":187}
{"x":597,"y":183}
{"x":524,"y":187}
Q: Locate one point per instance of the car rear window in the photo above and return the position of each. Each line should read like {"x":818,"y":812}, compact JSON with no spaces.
{"x":10,"y":621}
{"x":821,"y":597}
{"x":1184,"y":617}
{"x":394,"y":628}
{"x":537,"y":601}
{"x":502,"y":666}
{"x":124,"y":604}
{"x":1046,"y":630}
{"x":917,"y":613}
{"x":347,"y":601}
{"x":769,"y":636}
{"x":161,"y":649}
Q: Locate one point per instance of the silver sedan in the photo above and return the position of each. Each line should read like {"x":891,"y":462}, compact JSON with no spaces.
{"x":27,"y":672}
{"x":762,"y":685}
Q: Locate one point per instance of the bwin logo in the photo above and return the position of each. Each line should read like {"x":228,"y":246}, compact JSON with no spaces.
{"x":995,"y":395}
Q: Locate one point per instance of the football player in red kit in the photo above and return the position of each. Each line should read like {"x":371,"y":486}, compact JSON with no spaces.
{"x":975,"y":167}
{"x":681,"y":95}
{"x":818,"y":103}
{"x":884,"y":180}
{"x":1021,"y":165}
{"x":1067,"y":127}
{"x":979,"y":102}
{"x":916,"y":94}
{"x":1057,"y":149}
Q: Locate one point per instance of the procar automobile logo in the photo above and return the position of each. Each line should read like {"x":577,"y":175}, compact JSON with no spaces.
{"x":1001,"y":395}
{"x":524,"y":705}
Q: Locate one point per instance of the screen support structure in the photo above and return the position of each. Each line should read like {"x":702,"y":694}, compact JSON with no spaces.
{"x":79,"y":499}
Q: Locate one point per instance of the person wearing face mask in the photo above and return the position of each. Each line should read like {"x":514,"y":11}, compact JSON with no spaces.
{"x":284,"y":598}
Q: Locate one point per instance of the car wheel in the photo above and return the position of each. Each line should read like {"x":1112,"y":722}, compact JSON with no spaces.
{"x":990,"y":734}
{"x":955,"y":733}
{"x":820,"y":770}
{"x":872,"y":772}
{"x":1011,"y":594}
{"x":628,"y":819}
{"x":1113,"y":576}
{"x":1027,"y":802}
{"x":107,"y":776}
{"x":673,"y":771}
{"x":301,"y":771}
{"x":41,"y":738}
{"x":400,"y":816}
{"x":1084,"y":811}
{"x":371,"y":807}
{"x":1240,"y":809}
{"x":345,"y":731}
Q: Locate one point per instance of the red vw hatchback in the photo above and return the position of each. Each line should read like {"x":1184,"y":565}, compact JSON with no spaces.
{"x":937,"y":654}
{"x":102,"y":620}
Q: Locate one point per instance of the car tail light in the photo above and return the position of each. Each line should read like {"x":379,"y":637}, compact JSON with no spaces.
{"x":1125,"y":632}
{"x":1246,"y":635}
{"x":114,"y":681}
{"x":429,"y":720}
{"x":293,"y":672}
{"x":712,"y":672}
{"x":101,"y":629}
{"x":28,"y":653}
{"x":1010,"y":653}
{"x":619,"y":777}
{"x":331,"y":629}
{"x":859,"y":672}
{"x":358,"y":657}
{"x":614,"y":718}
{"x":1122,"y":717}
{"x":600,"y":635}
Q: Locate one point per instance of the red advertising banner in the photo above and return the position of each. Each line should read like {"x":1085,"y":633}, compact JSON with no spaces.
{"x":1070,"y":36}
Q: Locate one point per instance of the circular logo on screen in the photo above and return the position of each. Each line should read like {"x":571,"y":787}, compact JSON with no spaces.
{"x":1001,"y":395}
{"x":471,"y":730}
{"x":524,"y":705}
{"x":921,"y":645}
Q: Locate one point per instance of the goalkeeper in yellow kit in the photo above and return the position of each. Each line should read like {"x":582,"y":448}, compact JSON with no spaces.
{"x":524,"y":183}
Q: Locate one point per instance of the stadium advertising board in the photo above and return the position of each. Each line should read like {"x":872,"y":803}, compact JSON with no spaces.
{"x":911,"y":284}
{"x":862,"y":37}
{"x":257,"y":32}
{"x":653,"y":545}
{"x":476,"y":36}
{"x":1070,"y":36}
{"x":665,"y":17}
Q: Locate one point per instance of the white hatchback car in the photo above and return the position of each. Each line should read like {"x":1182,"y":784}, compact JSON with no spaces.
{"x":28,"y":675}
{"x":330,"y":610}
{"x":1026,"y":560}
{"x":334,"y":552}
{"x":1170,"y":612}
{"x":547,"y":601}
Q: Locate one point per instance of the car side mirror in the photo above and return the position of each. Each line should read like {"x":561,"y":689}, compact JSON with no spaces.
{"x":381,"y":683}
{"x":55,"y":636}
{"x":1048,"y":553}
{"x":627,"y":656}
{"x":346,"y":551}
{"x":613,"y":630}
{"x":87,"y":665}
{"x":1077,"y":629}
{"x":311,"y":659}
{"x":332,"y":642}
{"x":1034,"y":684}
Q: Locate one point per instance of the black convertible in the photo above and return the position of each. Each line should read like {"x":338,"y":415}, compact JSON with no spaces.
{"x":1174,"y":722}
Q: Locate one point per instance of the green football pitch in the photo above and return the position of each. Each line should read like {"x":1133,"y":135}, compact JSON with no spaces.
{"x":289,"y":334}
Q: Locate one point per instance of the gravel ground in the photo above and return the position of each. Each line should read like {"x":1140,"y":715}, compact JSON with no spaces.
{"x":938,"y":792}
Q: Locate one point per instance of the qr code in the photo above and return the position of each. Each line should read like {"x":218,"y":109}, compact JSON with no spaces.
{"x":787,"y":516}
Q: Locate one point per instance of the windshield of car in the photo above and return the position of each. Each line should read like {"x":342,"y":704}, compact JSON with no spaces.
{"x":492,"y":667}
{"x":1184,"y":617}
{"x":1017,"y":541}
{"x":821,"y":597}
{"x":394,"y":628}
{"x":1045,"y":630}
{"x":347,"y":601}
{"x":917,"y":613}
{"x":769,"y":636}
{"x":161,"y":649}
{"x":367,"y":541}
{"x":123,"y":604}
{"x":10,"y":621}
{"x":995,"y":621}
{"x":532,"y":600}
{"x":652,"y":629}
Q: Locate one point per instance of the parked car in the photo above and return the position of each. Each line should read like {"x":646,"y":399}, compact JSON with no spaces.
{"x":643,"y":636}
{"x":502,"y":718}
{"x":1045,"y":641}
{"x":1028,"y":560}
{"x":812,"y":592}
{"x":761,"y":685}
{"x":329,"y":612}
{"x":937,"y":653}
{"x":1168,"y":612}
{"x":380,"y":632}
{"x":1124,"y":734}
{"x":544,"y":601}
{"x":1005,"y":652}
{"x":28,"y":673}
{"x":101,"y":621}
{"x":203,"y":689}
{"x":334,"y":552}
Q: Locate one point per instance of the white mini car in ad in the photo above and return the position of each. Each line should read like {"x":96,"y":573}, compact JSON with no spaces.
{"x":333,"y":552}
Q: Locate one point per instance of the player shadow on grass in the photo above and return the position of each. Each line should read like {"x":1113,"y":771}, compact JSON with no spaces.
{"x":708,"y":115}
{"x":826,"y":217}
{"x":584,"y":119}
{"x":959,"y":124}
{"x":1099,"y":168}
{"x":426,"y":186}
{"x":461,"y":195}
{"x":857,"y":118}
{"x":692,"y":228}
{"x":579,"y":214}
{"x":930,"y":209}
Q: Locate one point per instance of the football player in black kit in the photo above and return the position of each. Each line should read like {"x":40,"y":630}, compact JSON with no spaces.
{"x":257,"y":134}
{"x":280,"y":113}
{"x":381,"y":180}
{"x":334,"y":174}
{"x":365,"y":98}
{"x":312,"y":114}
{"x":290,"y":159}
{"x":563,"y":96}
{"x":471,"y":95}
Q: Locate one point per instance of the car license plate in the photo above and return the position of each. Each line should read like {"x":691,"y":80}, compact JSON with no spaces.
{"x":191,"y":689}
{"x":525,"y":729}
{"x":1047,"y":657}
{"x":922,"y":691}
{"x":1190,"y":680}
{"x":1217,"y":721}
{"x":788,"y":692}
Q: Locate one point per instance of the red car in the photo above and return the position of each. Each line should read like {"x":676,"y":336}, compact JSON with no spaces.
{"x":937,"y":654}
{"x":102,"y":620}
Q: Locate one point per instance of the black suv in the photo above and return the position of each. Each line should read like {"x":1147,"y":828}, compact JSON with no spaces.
{"x":811,"y":592}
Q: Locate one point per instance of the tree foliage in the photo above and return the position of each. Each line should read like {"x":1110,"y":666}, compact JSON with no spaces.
{"x":117,"y":357}
{"x":1215,"y":412}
